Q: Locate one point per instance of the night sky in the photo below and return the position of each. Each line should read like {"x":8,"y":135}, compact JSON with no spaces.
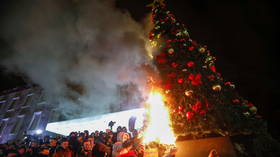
{"x":242,"y":34}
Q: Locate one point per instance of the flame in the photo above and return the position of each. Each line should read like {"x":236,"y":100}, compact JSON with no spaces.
{"x":158,"y":129}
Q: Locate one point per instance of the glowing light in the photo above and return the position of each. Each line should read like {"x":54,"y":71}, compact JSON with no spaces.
{"x":39,"y":131}
{"x":158,"y":128}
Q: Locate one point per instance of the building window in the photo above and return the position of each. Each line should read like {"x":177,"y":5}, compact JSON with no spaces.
{"x":2,"y":103}
{"x":13,"y":103}
{"x":28,"y":100}
{"x":18,"y":125}
{"x":35,"y":120}
{"x":3,"y":124}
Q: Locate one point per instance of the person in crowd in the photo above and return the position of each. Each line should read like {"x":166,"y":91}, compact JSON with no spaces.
{"x":52,"y":145}
{"x":86,"y":150}
{"x":117,"y":146}
{"x":63,"y":150}
{"x":44,"y":152}
{"x":127,"y":150}
{"x":22,"y":151}
{"x":33,"y":149}
{"x":12,"y":153}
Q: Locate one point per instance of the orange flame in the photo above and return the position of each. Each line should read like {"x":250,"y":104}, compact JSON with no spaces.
{"x":158,"y":129}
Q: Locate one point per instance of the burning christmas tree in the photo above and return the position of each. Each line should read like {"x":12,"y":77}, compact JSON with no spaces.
{"x":202,"y":102}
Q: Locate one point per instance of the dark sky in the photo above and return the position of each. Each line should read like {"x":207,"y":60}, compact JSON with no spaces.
{"x":242,"y":34}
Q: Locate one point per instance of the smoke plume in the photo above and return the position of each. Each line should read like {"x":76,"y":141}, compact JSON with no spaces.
{"x":79,"y":51}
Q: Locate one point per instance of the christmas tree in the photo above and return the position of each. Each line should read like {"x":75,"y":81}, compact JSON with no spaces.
{"x":201,"y":100}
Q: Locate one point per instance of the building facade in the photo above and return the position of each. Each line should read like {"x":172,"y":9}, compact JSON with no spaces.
{"x":22,"y":111}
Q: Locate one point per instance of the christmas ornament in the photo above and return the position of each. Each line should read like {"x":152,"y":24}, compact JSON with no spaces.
{"x":253,"y":109}
{"x":191,"y":48}
{"x":189,"y":115}
{"x":217,"y":87}
{"x":190,"y":64}
{"x":235,"y":100}
{"x":184,"y":70}
{"x":213,"y":68}
{"x":202,"y":50}
{"x":174,"y":65}
{"x":180,"y":107}
{"x":188,"y":93}
{"x":195,"y":79}
{"x":197,"y":106}
{"x":171,"y":51}
{"x":247,"y":114}
{"x":229,"y":84}
{"x":180,"y":80}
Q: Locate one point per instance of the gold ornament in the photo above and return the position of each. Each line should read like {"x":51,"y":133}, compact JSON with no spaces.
{"x":171,"y":51}
{"x":154,"y":43}
{"x":253,"y":109}
{"x":157,"y":27}
{"x":247,"y":114}
{"x":188,"y":92}
{"x":217,"y":87}
{"x":185,"y":70}
{"x":158,"y":36}
{"x":179,"y":34}
{"x":202,"y":50}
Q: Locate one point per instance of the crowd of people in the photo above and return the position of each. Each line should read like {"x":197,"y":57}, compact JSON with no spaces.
{"x":78,"y":144}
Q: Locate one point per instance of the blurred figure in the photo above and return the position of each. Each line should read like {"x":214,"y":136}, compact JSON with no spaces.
{"x":52,"y":145}
{"x":117,"y":146}
{"x":63,"y":150}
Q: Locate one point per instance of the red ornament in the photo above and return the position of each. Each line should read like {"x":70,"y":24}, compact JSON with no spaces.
{"x":235,"y":100}
{"x":180,"y":107}
{"x":180,"y":80}
{"x":174,"y":65}
{"x":207,"y":106}
{"x":190,"y":64}
{"x":151,"y":35}
{"x":189,"y":115}
{"x":213,"y":68}
{"x":197,"y":106}
{"x":191,"y":48}
{"x":250,"y":104}
{"x":195,"y":79}
{"x":227,"y":83}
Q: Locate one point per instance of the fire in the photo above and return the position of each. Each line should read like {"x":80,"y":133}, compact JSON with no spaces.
{"x":158,"y":129}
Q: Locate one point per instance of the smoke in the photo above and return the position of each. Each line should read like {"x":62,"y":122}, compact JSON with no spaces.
{"x":79,"y":51}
